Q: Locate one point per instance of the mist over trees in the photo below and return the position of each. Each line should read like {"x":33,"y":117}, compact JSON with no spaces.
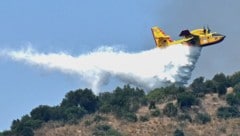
{"x":124,"y":103}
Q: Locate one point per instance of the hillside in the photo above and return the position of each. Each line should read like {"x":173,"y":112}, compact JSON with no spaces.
{"x":161,"y":125}
{"x":205,"y":107}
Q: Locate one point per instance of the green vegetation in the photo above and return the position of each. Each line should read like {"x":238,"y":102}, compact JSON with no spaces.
{"x":170,"y":110}
{"x":233,"y":99}
{"x":221,"y":82}
{"x":98,"y":118}
{"x":165,"y":93}
{"x":155,"y":113}
{"x":198,"y":87}
{"x":234,"y":79}
{"x":184,"y":117}
{"x":178,"y":132}
{"x":124,"y":103}
{"x":105,"y":130}
{"x":203,"y":118}
{"x":84,"y":99}
{"x":144,"y":118}
{"x":228,"y":112}
{"x":152,"y":105}
{"x":186,"y":100}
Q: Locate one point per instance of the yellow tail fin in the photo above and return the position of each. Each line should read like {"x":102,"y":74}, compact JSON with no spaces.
{"x":161,"y":39}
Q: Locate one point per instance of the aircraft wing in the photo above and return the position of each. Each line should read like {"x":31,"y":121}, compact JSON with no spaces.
{"x":185,"y":40}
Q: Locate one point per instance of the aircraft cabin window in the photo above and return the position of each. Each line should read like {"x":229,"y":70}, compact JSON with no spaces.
{"x":217,"y":35}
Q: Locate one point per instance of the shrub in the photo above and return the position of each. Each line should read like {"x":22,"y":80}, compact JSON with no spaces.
{"x":144,"y":118}
{"x":113,"y":132}
{"x":178,"y":132}
{"x":170,"y":110}
{"x":185,"y":117}
{"x":186,"y":100}
{"x":105,"y":130}
{"x":203,"y":118}
{"x":152,"y":105}
{"x":105,"y":108}
{"x":131,"y":117}
{"x":237,"y":87}
{"x":233,"y":99}
{"x":155,"y":113}
{"x":222,"y":89}
{"x":99,"y":118}
{"x":87,"y":123}
{"x":103,"y":127}
{"x":227,"y":112}
{"x":165,"y":93}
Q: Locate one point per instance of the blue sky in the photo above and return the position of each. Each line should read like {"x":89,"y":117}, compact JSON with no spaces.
{"x":78,"y":27}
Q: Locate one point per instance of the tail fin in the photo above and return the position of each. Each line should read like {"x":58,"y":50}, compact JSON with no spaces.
{"x":161,"y":39}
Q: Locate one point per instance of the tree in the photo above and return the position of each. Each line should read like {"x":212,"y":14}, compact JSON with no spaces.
{"x":73,"y":114}
{"x":129,"y":99}
{"x":221,"y":78}
{"x":25,"y":126}
{"x":235,"y":79}
{"x":27,"y":132}
{"x":105,"y":100}
{"x":186,"y":100}
{"x":126,"y":99}
{"x":236,"y":88}
{"x":42,"y":112}
{"x":165,"y":93}
{"x":210,"y":86}
{"x":81,"y":98}
{"x":7,"y":133}
{"x":198,"y":86}
{"x":221,"y":83}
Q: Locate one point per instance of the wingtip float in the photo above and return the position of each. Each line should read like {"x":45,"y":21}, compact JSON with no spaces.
{"x":198,"y":37}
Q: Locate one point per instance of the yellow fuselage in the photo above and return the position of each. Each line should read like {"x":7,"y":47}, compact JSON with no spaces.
{"x":197,"y":37}
{"x":200,"y":38}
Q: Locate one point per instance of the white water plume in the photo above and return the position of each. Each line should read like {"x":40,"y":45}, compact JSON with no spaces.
{"x":147,"y":69}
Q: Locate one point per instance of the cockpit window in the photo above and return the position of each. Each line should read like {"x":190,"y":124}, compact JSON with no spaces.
{"x":216,"y":34}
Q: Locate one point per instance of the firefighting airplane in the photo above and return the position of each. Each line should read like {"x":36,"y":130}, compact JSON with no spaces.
{"x":198,"y":37}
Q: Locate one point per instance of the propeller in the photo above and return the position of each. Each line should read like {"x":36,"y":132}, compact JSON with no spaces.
{"x":208,"y":29}
{"x":204,"y":29}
